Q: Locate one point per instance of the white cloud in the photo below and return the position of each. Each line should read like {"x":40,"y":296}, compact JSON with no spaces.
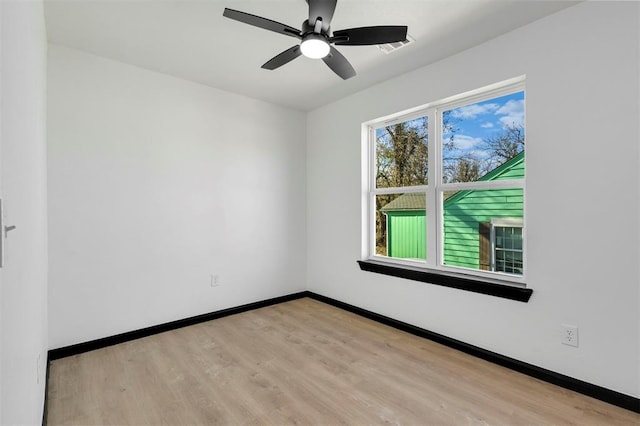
{"x":479,"y":154}
{"x":512,"y":113}
{"x":487,"y":125}
{"x":474,"y":110}
{"x":465,"y":142}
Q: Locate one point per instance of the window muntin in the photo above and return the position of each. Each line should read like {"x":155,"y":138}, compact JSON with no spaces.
{"x":490,"y":163}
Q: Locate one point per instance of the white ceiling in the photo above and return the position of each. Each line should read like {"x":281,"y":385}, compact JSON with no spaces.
{"x":190,"y":39}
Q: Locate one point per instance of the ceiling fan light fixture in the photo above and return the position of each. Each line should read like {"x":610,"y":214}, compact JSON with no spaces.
{"x":315,"y":46}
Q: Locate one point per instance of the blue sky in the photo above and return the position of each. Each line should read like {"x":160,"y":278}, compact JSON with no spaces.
{"x":475,"y":122}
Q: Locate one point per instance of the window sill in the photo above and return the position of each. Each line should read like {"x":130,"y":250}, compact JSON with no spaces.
{"x":461,"y":283}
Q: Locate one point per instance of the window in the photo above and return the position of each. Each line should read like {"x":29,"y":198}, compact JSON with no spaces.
{"x":504,"y":246}
{"x":401,"y":175}
{"x":445,"y":186}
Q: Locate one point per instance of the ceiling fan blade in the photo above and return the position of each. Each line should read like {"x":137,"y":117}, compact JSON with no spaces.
{"x":339,"y":64}
{"x":260,"y":22}
{"x":364,"y":36}
{"x":321,"y":9}
{"x":283,"y":58}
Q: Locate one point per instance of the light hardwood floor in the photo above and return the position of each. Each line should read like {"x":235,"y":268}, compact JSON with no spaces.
{"x":304,"y":362}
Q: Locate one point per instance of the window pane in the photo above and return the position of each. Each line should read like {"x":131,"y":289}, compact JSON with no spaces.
{"x":479,"y":138}
{"x":401,"y":154}
{"x":467,"y":217}
{"x":401,"y":226}
{"x":509,"y":260}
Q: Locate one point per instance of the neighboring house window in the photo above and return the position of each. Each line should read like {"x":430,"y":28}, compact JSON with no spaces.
{"x":507,"y":246}
{"x":501,"y":245}
{"x":445,"y":185}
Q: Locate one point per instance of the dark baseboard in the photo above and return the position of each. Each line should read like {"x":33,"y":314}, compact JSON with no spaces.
{"x":585,"y":388}
{"x":149,"y":331}
{"x":598,"y":392}
{"x":45,"y":410}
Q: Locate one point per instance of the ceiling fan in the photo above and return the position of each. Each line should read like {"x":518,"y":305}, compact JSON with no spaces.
{"x":316,"y":37}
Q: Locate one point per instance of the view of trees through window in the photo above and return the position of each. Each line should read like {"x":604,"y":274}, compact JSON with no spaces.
{"x":401,"y":160}
{"x":477,"y":138}
{"x":479,"y":142}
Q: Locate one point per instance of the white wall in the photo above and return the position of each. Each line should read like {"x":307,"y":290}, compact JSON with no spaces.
{"x":1,"y":141}
{"x":23,"y":285}
{"x":582,"y":186}
{"x":156,"y":183}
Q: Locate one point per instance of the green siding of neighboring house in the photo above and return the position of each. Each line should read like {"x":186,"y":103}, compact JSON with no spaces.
{"x":464,"y":212}
{"x":406,"y":232}
{"x":462,"y":221}
{"x":406,"y":226}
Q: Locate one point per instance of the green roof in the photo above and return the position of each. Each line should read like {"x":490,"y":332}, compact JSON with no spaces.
{"x":417,"y":200}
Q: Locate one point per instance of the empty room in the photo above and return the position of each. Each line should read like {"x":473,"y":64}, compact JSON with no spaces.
{"x":319,"y":212}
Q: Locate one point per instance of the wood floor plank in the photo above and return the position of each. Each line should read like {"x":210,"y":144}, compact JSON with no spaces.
{"x":304,"y":362}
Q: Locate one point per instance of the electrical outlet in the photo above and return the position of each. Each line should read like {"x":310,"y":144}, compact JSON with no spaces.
{"x":215,"y":280}
{"x":569,"y":335}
